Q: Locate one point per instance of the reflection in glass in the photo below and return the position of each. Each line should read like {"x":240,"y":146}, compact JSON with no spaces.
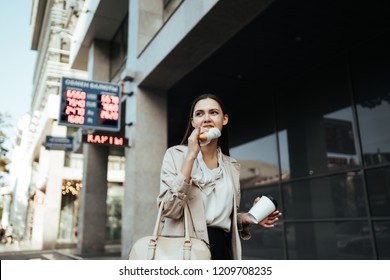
{"x":265,"y":243}
{"x":118,"y":49}
{"x":370,"y":75}
{"x":341,"y":140}
{"x":328,"y":197}
{"x":259,"y":161}
{"x":378,"y":187}
{"x":382,"y":239}
{"x":329,"y":241}
{"x":320,"y":138}
{"x":114,"y":211}
{"x":70,"y":207}
{"x":259,"y":173}
{"x":374,"y":127}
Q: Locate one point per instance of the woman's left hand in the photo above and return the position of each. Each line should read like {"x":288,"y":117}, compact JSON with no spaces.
{"x":267,"y":222}
{"x":270,"y":220}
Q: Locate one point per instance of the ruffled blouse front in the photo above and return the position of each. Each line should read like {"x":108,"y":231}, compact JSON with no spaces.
{"x":217,"y":192}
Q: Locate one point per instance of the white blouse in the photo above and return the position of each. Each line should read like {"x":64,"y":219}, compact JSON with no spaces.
{"x":217,"y":193}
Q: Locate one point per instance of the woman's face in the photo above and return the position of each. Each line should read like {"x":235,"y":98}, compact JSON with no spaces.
{"x":207,"y":114}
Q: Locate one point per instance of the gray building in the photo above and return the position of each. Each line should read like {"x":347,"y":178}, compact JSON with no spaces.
{"x":307,"y":90}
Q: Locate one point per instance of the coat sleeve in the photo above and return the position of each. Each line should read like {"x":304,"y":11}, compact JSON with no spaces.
{"x":243,"y":229}
{"x":173,"y":188}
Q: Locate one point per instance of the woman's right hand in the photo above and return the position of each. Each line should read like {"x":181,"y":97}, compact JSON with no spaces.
{"x":192,"y":154}
{"x":193,"y":143}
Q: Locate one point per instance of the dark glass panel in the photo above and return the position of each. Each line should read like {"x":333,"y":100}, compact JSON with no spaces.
{"x":329,"y":197}
{"x":265,"y":243}
{"x":329,"y":241}
{"x":378,"y":187}
{"x":249,"y":193}
{"x":259,"y":161}
{"x":116,"y":53}
{"x":253,"y":137}
{"x":317,"y":136}
{"x":114,"y":211}
{"x":370,"y":67}
{"x":118,"y":49}
{"x":382,"y":239}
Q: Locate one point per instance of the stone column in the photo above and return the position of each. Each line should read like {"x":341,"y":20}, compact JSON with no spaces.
{"x":148,"y":137}
{"x":93,"y":197}
{"x":93,"y":208}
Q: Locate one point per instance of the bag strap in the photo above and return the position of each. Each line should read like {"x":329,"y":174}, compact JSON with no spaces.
{"x":187,"y":240}
{"x":156,"y":230}
{"x":153,"y":239}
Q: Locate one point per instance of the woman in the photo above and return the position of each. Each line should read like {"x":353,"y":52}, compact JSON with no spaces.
{"x":207,"y":179}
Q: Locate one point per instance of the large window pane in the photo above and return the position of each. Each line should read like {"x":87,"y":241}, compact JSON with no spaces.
{"x":329,"y":241}
{"x":265,"y":243}
{"x":382,"y":239}
{"x":114,"y":211}
{"x":118,"y":49}
{"x":259,"y":161}
{"x":328,"y":197}
{"x":254,"y":140}
{"x":317,"y":136}
{"x":370,"y":74}
{"x":70,"y":205}
{"x":378,"y":186}
{"x":249,"y":193}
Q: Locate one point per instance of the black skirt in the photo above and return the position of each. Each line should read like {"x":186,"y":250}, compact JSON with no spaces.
{"x":220,"y":244}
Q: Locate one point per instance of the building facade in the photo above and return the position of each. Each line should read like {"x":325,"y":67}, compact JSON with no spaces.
{"x":307,"y":91}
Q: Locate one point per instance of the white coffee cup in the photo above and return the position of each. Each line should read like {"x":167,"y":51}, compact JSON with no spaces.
{"x":265,"y":206}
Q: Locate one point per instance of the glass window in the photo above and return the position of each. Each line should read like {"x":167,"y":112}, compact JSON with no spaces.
{"x":370,"y":74}
{"x":328,"y":240}
{"x":328,"y":197}
{"x":382,"y":239}
{"x":257,"y":153}
{"x":118,"y":49}
{"x":70,"y":205}
{"x":249,"y":193}
{"x":317,"y":136}
{"x":265,"y":243}
{"x":254,"y":143}
{"x":74,"y":160}
{"x":114,"y":211}
{"x":378,"y":188}
{"x":116,"y":163}
{"x":259,"y":161}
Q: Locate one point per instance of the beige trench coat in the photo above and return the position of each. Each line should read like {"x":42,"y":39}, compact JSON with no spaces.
{"x":178,"y":192}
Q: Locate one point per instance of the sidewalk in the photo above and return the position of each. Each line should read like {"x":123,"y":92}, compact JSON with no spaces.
{"x":27,"y":251}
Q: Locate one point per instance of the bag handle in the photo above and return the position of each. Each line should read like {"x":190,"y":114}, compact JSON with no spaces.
{"x":187,"y":240}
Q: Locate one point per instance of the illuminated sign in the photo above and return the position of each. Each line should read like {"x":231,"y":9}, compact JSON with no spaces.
{"x":102,"y":139}
{"x":89,"y":104}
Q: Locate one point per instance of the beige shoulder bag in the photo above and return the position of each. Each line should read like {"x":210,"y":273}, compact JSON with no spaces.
{"x":159,"y":247}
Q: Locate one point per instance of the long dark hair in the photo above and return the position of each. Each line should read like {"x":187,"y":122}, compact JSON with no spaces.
{"x":223,"y":141}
